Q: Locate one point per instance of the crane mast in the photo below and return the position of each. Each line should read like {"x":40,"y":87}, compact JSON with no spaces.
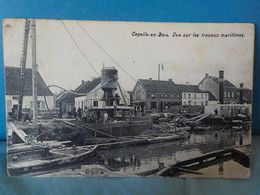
{"x":23,"y":67}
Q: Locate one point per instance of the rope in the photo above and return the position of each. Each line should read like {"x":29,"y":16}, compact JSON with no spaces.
{"x":106,"y":52}
{"x":72,"y":92}
{"x":79,"y":48}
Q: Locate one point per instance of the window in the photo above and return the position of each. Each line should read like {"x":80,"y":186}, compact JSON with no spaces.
{"x":172,"y":95}
{"x":95,"y":103}
{"x":161,"y":95}
{"x":232,"y":94}
{"x":202,"y":103}
{"x":202,"y":95}
{"x":184,"y":103}
{"x":189,"y":102}
{"x":195,"y":96}
{"x":166,"y":105}
{"x":153,"y":105}
{"x":189,"y":95}
{"x":206,"y":102}
{"x":166,"y":95}
{"x":206,"y":96}
{"x":184,"y":95}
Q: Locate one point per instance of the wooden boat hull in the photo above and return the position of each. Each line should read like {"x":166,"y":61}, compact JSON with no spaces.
{"x":58,"y":160}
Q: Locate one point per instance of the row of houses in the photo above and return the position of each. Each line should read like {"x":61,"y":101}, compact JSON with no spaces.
{"x":148,"y":94}
{"x":162,"y":95}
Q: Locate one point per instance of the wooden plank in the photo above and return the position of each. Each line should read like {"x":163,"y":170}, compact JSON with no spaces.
{"x":19,"y":132}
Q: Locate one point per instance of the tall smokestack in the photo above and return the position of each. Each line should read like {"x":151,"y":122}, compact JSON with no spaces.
{"x":221,"y":87}
{"x":241,"y":93}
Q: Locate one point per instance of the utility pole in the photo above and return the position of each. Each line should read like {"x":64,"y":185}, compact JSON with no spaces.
{"x":34,"y":73}
{"x":23,"y":67}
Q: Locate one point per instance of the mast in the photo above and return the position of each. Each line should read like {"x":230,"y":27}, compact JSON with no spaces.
{"x":34,"y":73}
{"x":23,"y":67}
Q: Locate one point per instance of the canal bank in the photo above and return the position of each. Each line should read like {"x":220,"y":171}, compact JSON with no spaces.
{"x":133,"y":160}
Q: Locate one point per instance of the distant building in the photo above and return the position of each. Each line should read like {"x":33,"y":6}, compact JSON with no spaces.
{"x":94,"y":95}
{"x":81,"y":100}
{"x":211,"y":83}
{"x":231,"y":93}
{"x":247,"y":95}
{"x":66,"y":100}
{"x":155,"y":95}
{"x":193,"y":96}
{"x":166,"y":95}
{"x":131,"y":97}
{"x":13,"y":80}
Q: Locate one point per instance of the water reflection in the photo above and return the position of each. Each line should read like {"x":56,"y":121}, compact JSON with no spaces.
{"x":133,"y":160}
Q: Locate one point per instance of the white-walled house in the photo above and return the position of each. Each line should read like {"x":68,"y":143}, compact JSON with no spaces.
{"x":12,"y":87}
{"x":94,"y":95}
{"x":195,"y":99}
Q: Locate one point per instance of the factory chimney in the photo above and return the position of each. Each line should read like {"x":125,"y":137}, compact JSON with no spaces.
{"x":241,"y":93}
{"x":221,"y":86}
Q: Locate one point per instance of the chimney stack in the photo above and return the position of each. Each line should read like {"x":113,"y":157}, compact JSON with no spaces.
{"x":221,"y":86}
{"x":241,"y":92}
{"x":82,"y":81}
{"x":206,"y":75}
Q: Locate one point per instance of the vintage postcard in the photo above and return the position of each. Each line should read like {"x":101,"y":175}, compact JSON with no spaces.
{"x":128,"y":99}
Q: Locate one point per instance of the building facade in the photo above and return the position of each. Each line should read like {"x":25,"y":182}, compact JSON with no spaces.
{"x":94,"y":96}
{"x":152,"y":95}
{"x":211,"y":83}
{"x":195,"y":99}
{"x":12,"y":80}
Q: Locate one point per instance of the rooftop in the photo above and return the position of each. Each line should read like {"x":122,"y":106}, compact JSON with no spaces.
{"x":12,"y":82}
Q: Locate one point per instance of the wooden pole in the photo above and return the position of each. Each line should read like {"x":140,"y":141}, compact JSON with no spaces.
{"x":23,"y":67}
{"x":34,"y":73}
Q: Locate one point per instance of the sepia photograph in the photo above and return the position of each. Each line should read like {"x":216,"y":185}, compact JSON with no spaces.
{"x":128,"y":99}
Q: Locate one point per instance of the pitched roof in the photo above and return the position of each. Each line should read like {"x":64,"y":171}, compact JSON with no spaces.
{"x":226,"y":82}
{"x":12,"y":82}
{"x":64,"y":96}
{"x":155,"y":86}
{"x":188,"y":88}
{"x":247,"y":94}
{"x":88,"y":86}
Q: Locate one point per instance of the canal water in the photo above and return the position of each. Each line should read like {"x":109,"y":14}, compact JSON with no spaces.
{"x":133,"y":160}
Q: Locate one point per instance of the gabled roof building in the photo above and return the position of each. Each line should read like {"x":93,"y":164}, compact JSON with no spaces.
{"x":166,"y":95}
{"x":12,"y":88}
{"x":231,"y":92}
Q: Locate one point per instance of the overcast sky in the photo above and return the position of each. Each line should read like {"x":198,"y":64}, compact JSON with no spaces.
{"x":185,"y":59}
